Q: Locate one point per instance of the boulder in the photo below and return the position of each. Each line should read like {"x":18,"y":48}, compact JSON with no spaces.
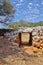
{"x":41,"y":45}
{"x":35,"y":50}
{"x":36,"y":44}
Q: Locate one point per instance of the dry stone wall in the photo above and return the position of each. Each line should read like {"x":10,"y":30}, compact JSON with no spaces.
{"x":37,"y":36}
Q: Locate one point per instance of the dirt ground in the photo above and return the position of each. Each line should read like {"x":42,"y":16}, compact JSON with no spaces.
{"x":10,"y":54}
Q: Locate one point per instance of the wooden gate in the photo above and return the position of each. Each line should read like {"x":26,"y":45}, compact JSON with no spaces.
{"x":25,"y":38}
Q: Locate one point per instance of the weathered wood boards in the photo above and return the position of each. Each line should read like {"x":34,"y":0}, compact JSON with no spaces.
{"x":24,"y":38}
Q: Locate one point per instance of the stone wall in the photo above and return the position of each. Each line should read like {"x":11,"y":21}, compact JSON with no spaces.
{"x":37,"y":37}
{"x":3,"y":31}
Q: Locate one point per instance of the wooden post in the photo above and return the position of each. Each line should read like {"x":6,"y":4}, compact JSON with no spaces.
{"x":30,"y":41}
{"x":19,"y":39}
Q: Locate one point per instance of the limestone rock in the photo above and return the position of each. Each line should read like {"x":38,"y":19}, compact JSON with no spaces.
{"x":41,"y":45}
{"x":35,"y":50}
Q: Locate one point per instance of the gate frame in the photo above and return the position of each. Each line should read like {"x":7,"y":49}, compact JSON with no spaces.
{"x":30,"y":40}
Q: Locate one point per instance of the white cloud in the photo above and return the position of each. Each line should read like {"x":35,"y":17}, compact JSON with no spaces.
{"x":17,"y":5}
{"x":20,"y":1}
{"x":42,"y":3}
{"x":30,"y":3}
{"x":37,"y":4}
{"x":29,"y":7}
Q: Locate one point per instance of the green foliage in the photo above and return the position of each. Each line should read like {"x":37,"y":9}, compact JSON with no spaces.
{"x":8,"y":8}
{"x":25,"y":24}
{"x":19,"y":24}
{"x":0,"y":6}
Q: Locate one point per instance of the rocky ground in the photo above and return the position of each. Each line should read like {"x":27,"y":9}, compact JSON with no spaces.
{"x":11,"y":54}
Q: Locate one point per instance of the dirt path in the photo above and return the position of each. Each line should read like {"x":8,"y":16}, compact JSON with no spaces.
{"x":10,"y":54}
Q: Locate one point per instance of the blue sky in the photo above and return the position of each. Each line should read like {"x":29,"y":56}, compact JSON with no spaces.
{"x":29,"y":10}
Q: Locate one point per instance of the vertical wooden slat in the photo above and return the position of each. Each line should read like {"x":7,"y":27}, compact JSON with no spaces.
{"x":30,"y":41}
{"x":19,"y":39}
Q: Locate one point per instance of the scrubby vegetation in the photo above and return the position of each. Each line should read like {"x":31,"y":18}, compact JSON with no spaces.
{"x":23,"y":23}
{"x":6,"y":12}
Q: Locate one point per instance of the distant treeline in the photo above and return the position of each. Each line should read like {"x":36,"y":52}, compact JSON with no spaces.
{"x":23,"y":23}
